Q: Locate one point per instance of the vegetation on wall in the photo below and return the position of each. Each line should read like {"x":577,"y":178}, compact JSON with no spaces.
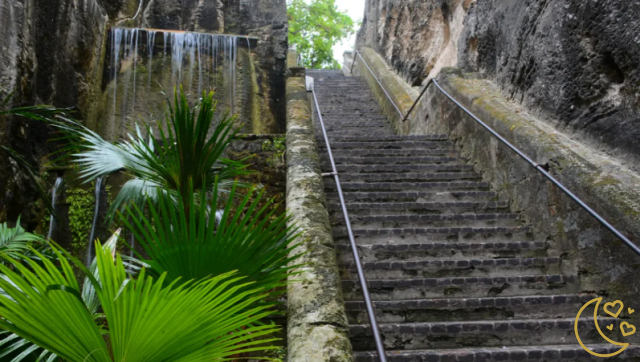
{"x":315,"y":26}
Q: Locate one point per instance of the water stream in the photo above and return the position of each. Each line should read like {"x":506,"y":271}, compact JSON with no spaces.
{"x":198,"y":61}
{"x":54,"y":195}
{"x":96,"y":211}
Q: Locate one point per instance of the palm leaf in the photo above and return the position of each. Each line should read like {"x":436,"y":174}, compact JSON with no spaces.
{"x":189,"y":149}
{"x":250,"y":239}
{"x":16,"y":241}
{"x":148,"y":320}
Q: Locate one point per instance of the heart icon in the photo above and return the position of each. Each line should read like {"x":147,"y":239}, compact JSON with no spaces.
{"x":631,"y":311}
{"x":610,"y":327}
{"x":614,"y":315}
{"x":632,"y":329}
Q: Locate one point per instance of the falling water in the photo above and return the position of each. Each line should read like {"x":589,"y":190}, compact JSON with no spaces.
{"x":96,"y":210}
{"x":151,"y":40}
{"x":196,"y":60}
{"x":54,"y":195}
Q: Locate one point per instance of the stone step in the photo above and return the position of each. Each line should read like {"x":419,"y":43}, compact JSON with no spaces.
{"x":484,"y":334}
{"x":395,"y":138}
{"x":428,"y":220}
{"x":410,"y":176}
{"x":390,"y":145}
{"x":415,"y":160}
{"x":363,"y":152}
{"x":355,"y":120}
{"x":419,"y":208}
{"x":475,"y":267}
{"x":409,"y":186}
{"x":415,"y":196}
{"x":339,"y":112}
{"x":334,"y":130}
{"x":452,"y":234}
{"x":469,"y":309}
{"x":545,"y":353}
{"x":404,"y":169}
{"x":346,"y":99}
{"x":463,"y":287}
{"x":432,"y":250}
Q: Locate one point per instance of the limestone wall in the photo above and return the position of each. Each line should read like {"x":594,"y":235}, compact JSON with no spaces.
{"x":572,"y":63}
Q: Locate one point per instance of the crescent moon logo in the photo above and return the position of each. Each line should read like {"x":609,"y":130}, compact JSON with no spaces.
{"x":595,"y":318}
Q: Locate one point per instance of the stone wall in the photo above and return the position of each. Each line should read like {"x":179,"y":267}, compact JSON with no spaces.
{"x":572,"y":63}
{"x":416,"y":37}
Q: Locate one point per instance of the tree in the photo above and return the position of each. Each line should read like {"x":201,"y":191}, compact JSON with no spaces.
{"x":315,"y":26}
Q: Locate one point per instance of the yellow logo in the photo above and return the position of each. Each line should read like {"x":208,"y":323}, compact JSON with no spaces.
{"x":626,"y":328}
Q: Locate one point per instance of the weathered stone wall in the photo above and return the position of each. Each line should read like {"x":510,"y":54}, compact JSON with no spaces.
{"x":317,"y":323}
{"x":416,"y":37}
{"x":605,"y":265}
{"x":572,"y":63}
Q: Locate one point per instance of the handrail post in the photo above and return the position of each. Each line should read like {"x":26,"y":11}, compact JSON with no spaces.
{"x":356,"y":255}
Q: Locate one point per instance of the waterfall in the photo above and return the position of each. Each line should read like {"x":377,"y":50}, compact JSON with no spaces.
{"x":197,"y":60}
{"x":54,"y":195}
{"x":96,"y":211}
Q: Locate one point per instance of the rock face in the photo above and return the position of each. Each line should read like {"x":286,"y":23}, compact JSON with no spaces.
{"x":416,"y":37}
{"x":573,"y":63}
{"x":53,"y":52}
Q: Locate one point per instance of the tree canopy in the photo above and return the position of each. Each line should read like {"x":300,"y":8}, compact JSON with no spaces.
{"x":315,"y":26}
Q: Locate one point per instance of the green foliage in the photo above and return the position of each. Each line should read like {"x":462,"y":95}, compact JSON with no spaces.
{"x":81,"y":208}
{"x":315,"y":26}
{"x":250,"y":239}
{"x":149,"y":320}
{"x":16,"y":241}
{"x":278,"y":149}
{"x":25,"y":350}
{"x":188,"y":150}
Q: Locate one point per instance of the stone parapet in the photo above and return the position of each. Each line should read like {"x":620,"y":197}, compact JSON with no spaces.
{"x":317,"y":322}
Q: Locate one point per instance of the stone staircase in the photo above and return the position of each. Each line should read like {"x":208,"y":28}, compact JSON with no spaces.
{"x":454,"y":274}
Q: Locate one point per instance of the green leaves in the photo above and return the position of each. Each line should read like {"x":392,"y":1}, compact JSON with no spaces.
{"x":315,"y":26}
{"x":15,"y":242}
{"x":189,"y":245}
{"x":149,"y":320}
{"x":187,"y":149}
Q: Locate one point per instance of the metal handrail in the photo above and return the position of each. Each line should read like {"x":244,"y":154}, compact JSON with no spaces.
{"x":377,"y":80}
{"x":535,"y":165}
{"x":356,"y":256}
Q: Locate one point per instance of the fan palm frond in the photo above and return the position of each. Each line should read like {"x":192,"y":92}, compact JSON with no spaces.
{"x":250,"y":239}
{"x":149,"y":320}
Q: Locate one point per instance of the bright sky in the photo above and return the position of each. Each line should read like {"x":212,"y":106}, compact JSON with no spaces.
{"x":355,"y":9}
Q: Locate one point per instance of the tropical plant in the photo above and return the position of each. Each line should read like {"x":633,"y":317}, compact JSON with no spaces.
{"x":314,"y":28}
{"x":189,"y":149}
{"x":249,"y":239}
{"x":16,"y":241}
{"x":23,"y":348}
{"x":146,"y":319}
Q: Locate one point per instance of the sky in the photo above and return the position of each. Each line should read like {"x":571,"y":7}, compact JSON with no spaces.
{"x":355,"y":9}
